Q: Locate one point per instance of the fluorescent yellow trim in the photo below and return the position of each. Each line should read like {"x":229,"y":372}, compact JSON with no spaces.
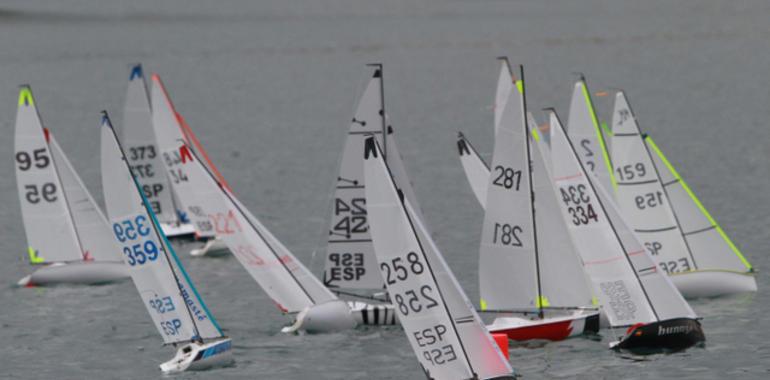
{"x":25,"y":97}
{"x":520,"y":86}
{"x":599,"y":135}
{"x":542,"y":301}
{"x":535,"y":133}
{"x":483,"y":304}
{"x":606,"y":128}
{"x":697,"y":203}
{"x":713,"y":270}
{"x":594,"y":301}
{"x":33,"y":257}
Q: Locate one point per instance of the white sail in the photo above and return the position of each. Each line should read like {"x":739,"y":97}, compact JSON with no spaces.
{"x":604,"y":258}
{"x":168,"y":134}
{"x":665,"y":299}
{"x":509,"y":274}
{"x":584,"y":130}
{"x":90,"y":223}
{"x":142,"y":150}
{"x":641,"y":196}
{"x":350,"y":260}
{"x":166,"y":291}
{"x":443,"y":330}
{"x":505,"y":82}
{"x":710,"y":245}
{"x":563,"y":280}
{"x":51,"y":235}
{"x":476,"y":170}
{"x":289,"y":283}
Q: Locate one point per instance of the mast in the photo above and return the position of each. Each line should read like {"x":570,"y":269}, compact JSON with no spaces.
{"x":527,"y":136}
{"x":378,"y":74}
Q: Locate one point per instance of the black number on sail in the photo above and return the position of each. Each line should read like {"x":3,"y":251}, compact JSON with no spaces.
{"x":39,"y":159}
{"x":507,"y":177}
{"x":507,"y":234}
{"x":46,"y":192}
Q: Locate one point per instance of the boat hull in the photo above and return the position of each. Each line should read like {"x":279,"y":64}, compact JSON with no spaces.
{"x":212,"y":248}
{"x":672,"y":334}
{"x":200,"y":356}
{"x":715,"y":283}
{"x":178,"y":231}
{"x":77,"y":273}
{"x":366,"y":314}
{"x":550,"y":328}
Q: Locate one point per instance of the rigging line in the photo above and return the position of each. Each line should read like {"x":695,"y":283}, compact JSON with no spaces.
{"x":427,"y":263}
{"x":604,"y":211}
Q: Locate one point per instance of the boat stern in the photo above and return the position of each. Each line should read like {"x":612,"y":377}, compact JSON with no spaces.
{"x":197,"y":356}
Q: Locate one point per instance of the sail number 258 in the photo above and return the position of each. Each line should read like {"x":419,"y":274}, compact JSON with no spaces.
{"x":413,"y":300}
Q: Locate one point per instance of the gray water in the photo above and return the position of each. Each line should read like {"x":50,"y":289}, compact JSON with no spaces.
{"x":270,"y":86}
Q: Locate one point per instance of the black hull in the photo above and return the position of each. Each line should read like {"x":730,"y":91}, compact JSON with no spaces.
{"x":672,"y":334}
{"x":592,"y":324}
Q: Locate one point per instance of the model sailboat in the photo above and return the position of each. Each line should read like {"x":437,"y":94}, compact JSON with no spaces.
{"x":283,"y":277}
{"x":631,"y":289}
{"x":446,"y":334}
{"x":145,"y":159}
{"x":519,"y":269}
{"x":351,"y":265}
{"x":68,"y":236}
{"x":176,"y":308}
{"x":680,"y":235}
{"x":168,"y":132}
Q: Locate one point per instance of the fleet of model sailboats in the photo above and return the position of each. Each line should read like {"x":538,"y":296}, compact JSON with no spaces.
{"x":578,"y":223}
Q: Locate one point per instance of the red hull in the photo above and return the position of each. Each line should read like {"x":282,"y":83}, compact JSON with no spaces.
{"x":553,"y":331}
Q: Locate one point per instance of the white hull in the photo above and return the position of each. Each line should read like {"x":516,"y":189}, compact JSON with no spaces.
{"x":713,"y":283}
{"x":327,"y":317}
{"x":77,"y":273}
{"x":557,"y":326}
{"x":174,"y":230}
{"x":200,"y":356}
{"x":212,"y":248}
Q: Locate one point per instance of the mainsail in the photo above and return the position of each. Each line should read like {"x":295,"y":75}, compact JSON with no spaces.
{"x":142,"y":150}
{"x":585,"y":131}
{"x":282,"y":276}
{"x":48,"y":222}
{"x":445,"y":333}
{"x":168,"y":134}
{"x":641,"y":195}
{"x":166,"y":290}
{"x":626,"y":281}
{"x":508,"y":236}
{"x":350,"y":259}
